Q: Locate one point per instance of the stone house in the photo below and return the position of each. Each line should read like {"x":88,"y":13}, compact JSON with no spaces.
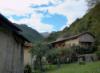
{"x":11,"y":47}
{"x":84,"y":40}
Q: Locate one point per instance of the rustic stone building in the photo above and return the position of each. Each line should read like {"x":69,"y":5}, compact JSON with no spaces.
{"x":11,"y":47}
{"x":85,"y":39}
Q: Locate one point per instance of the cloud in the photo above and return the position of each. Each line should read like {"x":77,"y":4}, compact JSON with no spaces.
{"x":31,"y":12}
{"x":51,"y":3}
{"x":23,"y":6}
{"x":19,"y":11}
{"x":14,"y":6}
{"x":43,"y":5}
{"x":70,"y":8}
{"x":35,"y":22}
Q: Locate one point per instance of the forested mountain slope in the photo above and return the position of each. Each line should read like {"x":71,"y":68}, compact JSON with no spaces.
{"x":90,"y":22}
{"x":30,"y":33}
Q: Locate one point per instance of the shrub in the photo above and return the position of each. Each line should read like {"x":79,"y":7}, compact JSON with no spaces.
{"x":81,"y":50}
{"x":98,"y":54}
{"x":27,"y":69}
{"x":61,"y":55}
{"x":81,"y":62}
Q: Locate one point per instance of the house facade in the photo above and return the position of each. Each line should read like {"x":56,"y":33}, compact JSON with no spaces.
{"x":85,"y":39}
{"x":11,"y":47}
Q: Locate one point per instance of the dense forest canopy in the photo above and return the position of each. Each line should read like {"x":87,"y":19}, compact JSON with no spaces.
{"x":29,"y":33}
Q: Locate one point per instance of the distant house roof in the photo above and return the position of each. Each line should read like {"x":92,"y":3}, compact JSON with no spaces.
{"x":8,"y":24}
{"x":72,"y":37}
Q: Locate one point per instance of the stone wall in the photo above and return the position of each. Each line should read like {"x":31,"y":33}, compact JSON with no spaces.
{"x":72,"y":42}
{"x":87,"y":57}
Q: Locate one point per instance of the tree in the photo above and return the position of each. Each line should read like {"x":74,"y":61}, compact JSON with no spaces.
{"x":53,"y":56}
{"x":27,"y":69}
{"x":59,"y":55}
{"x":39,"y":50}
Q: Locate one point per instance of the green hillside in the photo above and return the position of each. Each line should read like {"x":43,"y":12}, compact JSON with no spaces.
{"x":53,"y":36}
{"x":90,"y":22}
{"x":30,"y":33}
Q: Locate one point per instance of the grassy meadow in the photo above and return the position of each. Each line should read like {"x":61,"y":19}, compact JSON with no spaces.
{"x":93,"y":67}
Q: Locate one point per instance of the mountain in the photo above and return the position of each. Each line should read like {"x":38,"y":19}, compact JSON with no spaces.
{"x":53,"y":36}
{"x":90,"y":22}
{"x":45,"y":34}
{"x":30,"y":33}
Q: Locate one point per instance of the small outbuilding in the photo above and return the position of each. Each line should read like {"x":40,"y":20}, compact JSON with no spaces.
{"x":11,"y":47}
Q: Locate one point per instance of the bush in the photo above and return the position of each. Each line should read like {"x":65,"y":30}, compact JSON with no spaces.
{"x":27,"y":69}
{"x":81,"y":62}
{"x":99,"y":47}
{"x":98,"y":54}
{"x":81,"y":50}
{"x":61,"y":55}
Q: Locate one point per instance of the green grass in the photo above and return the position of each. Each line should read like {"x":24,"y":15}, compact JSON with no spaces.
{"x":93,"y":67}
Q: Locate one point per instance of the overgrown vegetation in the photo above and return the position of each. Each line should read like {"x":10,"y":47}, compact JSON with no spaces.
{"x":39,"y":51}
{"x":82,"y":50}
{"x":98,"y":54}
{"x":27,"y":69}
{"x":61,"y":56}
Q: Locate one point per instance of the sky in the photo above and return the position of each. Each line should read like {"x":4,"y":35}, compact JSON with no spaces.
{"x":43,"y":15}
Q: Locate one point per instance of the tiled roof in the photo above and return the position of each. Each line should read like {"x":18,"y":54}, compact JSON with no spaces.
{"x":72,"y":37}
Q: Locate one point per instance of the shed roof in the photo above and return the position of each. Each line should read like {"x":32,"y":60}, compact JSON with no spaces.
{"x":9,"y":25}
